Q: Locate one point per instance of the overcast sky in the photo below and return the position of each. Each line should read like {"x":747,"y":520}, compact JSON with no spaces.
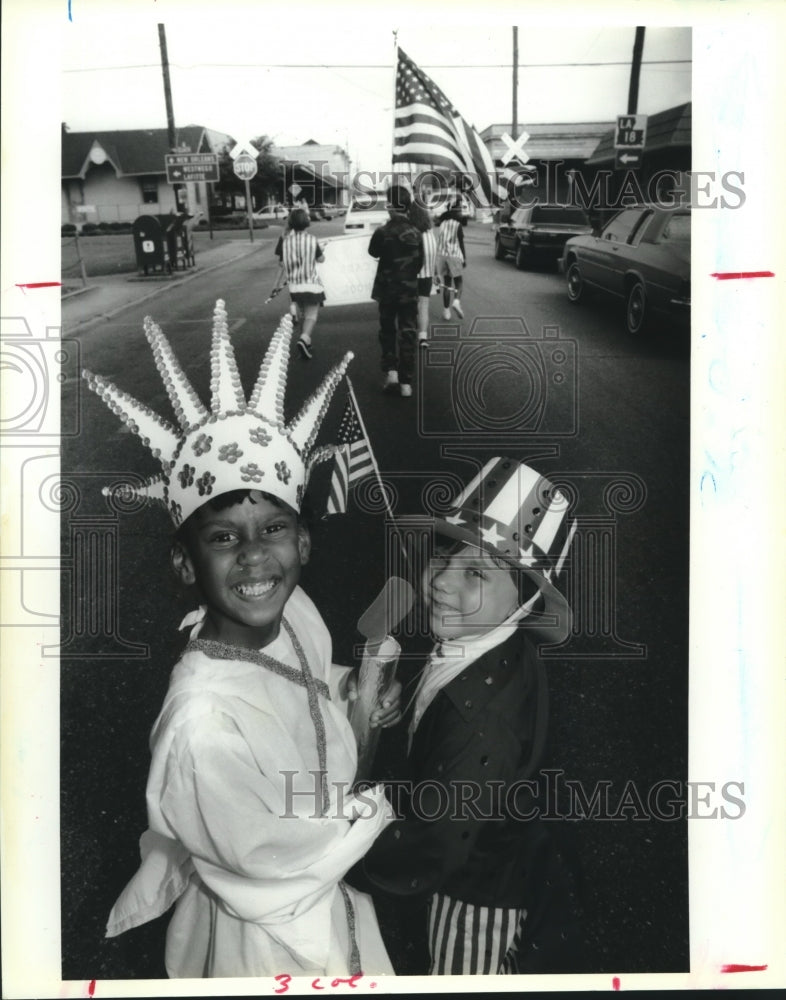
{"x":241,"y":72}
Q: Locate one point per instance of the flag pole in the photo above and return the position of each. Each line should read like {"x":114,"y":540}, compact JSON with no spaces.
{"x":395,"y":77}
{"x":376,"y":467}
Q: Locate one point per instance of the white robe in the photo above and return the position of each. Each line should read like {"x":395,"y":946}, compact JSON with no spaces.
{"x":254,"y":870}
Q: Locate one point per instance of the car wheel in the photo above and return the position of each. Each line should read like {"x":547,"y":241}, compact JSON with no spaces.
{"x":522,"y":258}
{"x":636,"y":309}
{"x":575,"y":281}
{"x":499,"y":253}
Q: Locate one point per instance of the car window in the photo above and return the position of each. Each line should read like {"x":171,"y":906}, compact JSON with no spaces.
{"x":557,"y":213}
{"x":624,"y":224}
{"x":677,"y":229}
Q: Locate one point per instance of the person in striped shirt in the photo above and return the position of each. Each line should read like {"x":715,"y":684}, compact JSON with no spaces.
{"x":299,"y":253}
{"x":451,"y":259}
{"x":469,"y":842}
{"x":421,"y":220}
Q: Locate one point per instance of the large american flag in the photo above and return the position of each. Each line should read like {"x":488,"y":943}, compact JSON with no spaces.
{"x":429,"y":130}
{"x":351,"y":463}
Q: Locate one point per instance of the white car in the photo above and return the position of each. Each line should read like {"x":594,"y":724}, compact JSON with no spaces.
{"x":271,"y":212}
{"x":366,"y":212}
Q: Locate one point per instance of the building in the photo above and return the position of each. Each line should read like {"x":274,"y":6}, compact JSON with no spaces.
{"x":555,"y":151}
{"x":117,"y":176}
{"x":321,"y":170}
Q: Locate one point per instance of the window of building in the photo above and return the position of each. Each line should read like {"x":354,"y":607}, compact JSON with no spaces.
{"x":149,"y":192}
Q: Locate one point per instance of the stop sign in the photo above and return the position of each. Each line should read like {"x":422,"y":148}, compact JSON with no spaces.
{"x":245,"y":167}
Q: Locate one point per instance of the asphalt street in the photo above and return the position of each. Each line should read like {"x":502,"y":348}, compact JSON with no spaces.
{"x":525,"y":373}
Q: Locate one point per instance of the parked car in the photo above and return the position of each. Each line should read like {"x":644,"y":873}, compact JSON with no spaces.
{"x":366,"y":212}
{"x":323,"y":212}
{"x":538,"y":233}
{"x":641,"y":256}
{"x":272,"y":212}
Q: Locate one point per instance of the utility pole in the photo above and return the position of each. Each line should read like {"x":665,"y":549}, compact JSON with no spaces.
{"x":635,"y":72}
{"x":170,"y":114}
{"x":514,"y":128}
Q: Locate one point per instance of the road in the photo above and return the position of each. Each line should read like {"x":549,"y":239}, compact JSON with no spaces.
{"x":581,"y":400}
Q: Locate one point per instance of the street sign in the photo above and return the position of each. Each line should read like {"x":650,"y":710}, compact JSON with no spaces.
{"x":631,"y":132}
{"x":627,"y":160}
{"x":183,"y":167}
{"x":245,"y":167}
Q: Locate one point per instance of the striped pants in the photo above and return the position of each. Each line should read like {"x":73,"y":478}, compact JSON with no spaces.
{"x":472,"y":940}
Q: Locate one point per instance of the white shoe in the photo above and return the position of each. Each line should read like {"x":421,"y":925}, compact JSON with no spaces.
{"x":446,"y":313}
{"x":391,"y":381}
{"x":422,"y":338}
{"x":406,"y":389}
{"x":457,"y":308}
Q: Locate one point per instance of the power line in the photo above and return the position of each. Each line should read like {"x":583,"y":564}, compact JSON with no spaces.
{"x":385,"y":66}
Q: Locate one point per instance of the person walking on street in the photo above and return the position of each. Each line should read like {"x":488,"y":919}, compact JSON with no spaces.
{"x":299,"y":253}
{"x":398,"y":249}
{"x":451,"y":259}
{"x":421,"y":220}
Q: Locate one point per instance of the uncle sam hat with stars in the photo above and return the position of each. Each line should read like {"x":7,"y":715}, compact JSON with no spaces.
{"x":237,"y":443}
{"x":514,"y":513}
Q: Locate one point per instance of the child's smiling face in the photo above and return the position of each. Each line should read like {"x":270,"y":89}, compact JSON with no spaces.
{"x":467,"y":593}
{"x":246,"y":560}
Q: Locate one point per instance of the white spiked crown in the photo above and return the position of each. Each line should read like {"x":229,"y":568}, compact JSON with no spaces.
{"x":237,"y":443}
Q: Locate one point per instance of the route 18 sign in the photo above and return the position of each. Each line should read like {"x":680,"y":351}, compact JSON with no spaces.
{"x":245,"y":167}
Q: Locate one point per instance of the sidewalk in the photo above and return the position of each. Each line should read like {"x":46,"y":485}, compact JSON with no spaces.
{"x":106,"y":296}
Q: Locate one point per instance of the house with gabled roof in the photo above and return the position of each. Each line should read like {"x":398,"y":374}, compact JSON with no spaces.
{"x":116,"y":176}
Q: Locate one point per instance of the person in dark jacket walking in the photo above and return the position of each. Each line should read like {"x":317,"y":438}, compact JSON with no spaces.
{"x":398,"y":248}
{"x":468,"y":841}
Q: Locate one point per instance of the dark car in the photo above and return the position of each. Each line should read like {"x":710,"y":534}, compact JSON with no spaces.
{"x":641,"y":256}
{"x":538,"y":233}
{"x":322,"y":212}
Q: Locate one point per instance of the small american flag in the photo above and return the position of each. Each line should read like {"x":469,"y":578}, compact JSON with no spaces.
{"x":429,"y":130}
{"x":351,"y":463}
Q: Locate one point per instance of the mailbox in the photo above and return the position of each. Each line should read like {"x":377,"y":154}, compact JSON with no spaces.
{"x":151,"y":244}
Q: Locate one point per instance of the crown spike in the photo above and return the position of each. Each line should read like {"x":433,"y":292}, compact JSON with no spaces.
{"x":182,"y":395}
{"x":139,"y":418}
{"x":268,"y":394}
{"x":226,"y":390}
{"x":304,"y":427}
{"x":152,"y":489}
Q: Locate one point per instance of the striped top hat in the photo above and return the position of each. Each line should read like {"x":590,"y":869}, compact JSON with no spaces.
{"x":516,"y":514}
{"x":235,"y":443}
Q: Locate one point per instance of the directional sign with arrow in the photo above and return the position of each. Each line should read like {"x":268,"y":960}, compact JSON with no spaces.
{"x":627,"y":159}
{"x":182,"y":167}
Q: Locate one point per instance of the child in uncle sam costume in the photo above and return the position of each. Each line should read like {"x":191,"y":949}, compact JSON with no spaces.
{"x":465,"y":843}
{"x":250,"y":846}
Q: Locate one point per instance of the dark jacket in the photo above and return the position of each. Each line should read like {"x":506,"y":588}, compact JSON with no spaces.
{"x":474,"y":741}
{"x":397,"y":246}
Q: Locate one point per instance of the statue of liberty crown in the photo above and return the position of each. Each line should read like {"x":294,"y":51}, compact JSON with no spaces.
{"x":237,"y":443}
